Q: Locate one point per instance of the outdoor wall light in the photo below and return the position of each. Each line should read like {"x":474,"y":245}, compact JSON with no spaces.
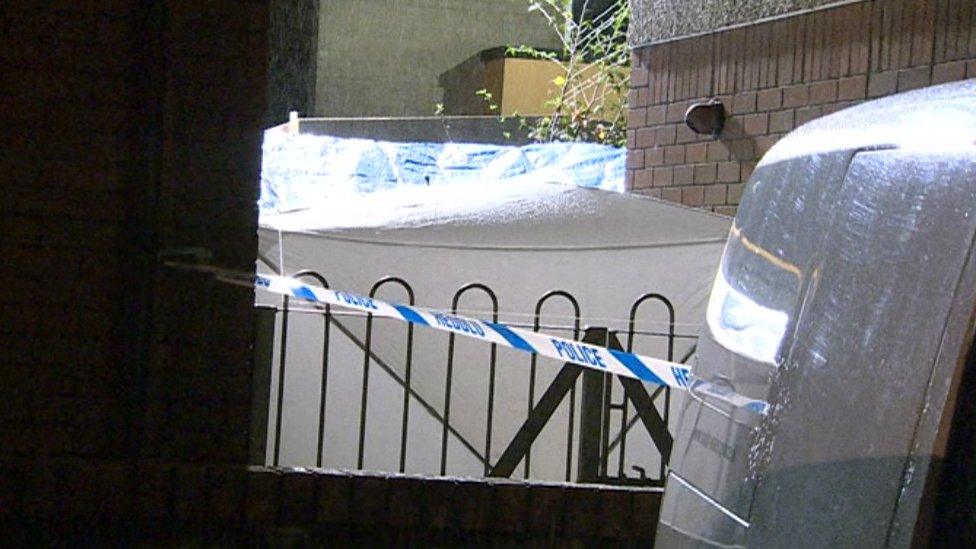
{"x":706,"y":117}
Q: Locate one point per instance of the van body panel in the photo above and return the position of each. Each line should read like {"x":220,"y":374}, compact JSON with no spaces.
{"x":832,"y":302}
{"x":868,"y":333}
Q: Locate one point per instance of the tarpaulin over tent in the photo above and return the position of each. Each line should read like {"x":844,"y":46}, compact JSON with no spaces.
{"x":520,"y":238}
{"x":301,"y":170}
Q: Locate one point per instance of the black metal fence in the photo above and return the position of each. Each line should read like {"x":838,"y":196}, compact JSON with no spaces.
{"x":592,"y":434}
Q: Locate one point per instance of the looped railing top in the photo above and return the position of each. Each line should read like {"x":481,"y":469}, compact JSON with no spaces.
{"x":476,"y":286}
{"x":631,"y":329}
{"x":536,"y":324}
{"x":305,"y":273}
{"x":632,"y":323}
{"x":450,"y":373}
{"x":393,"y":280}
{"x":408,"y":368}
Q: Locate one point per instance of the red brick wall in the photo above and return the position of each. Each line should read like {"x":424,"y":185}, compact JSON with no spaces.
{"x":774,"y":76}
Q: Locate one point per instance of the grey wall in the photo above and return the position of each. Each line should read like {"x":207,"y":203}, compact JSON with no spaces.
{"x":384,"y":57}
{"x":292,"y":45}
{"x":593,"y":7}
{"x":431,"y":129}
{"x":656,"y":20}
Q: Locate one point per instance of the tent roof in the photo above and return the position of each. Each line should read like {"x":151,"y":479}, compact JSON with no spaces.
{"x":501,"y":215}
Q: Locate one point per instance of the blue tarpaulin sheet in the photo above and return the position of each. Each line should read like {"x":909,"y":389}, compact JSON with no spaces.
{"x":300,"y":171}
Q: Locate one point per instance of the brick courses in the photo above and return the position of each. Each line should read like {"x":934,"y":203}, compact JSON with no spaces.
{"x":130,"y":128}
{"x":180,"y":503}
{"x":776,"y":75}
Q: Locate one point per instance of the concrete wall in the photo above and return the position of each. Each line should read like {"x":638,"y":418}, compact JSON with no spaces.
{"x":432,"y":129}
{"x":657,"y":20}
{"x":775,"y":75}
{"x":390,"y":64}
{"x":293,"y":37}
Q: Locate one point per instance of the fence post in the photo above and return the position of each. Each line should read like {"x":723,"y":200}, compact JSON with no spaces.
{"x":264,"y":329}
{"x":593,"y":410}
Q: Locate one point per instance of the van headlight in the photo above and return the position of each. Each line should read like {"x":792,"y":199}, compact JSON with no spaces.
{"x":743,"y":326}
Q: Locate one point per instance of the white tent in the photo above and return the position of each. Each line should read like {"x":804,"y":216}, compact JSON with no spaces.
{"x":521,"y":240}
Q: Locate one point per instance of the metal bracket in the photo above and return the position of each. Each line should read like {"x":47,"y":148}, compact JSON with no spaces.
{"x":594,"y":424}
{"x":518,"y":448}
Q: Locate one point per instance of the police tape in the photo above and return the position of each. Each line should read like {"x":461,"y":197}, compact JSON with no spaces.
{"x":647,"y":369}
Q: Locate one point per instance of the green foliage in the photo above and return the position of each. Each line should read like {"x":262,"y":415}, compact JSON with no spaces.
{"x":590,"y":102}
{"x":487,"y":97}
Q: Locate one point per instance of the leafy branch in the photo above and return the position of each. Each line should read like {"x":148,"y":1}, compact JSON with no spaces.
{"x":589,"y":103}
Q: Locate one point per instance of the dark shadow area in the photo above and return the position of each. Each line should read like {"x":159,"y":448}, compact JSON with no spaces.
{"x":954,"y":522}
{"x":462,"y":81}
{"x":293,"y":36}
{"x":741,"y":147}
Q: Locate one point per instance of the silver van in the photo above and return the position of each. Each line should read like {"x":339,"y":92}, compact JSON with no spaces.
{"x":846,"y":299}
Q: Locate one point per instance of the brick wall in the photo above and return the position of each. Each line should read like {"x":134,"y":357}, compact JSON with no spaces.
{"x":64,"y":156}
{"x":131,"y":128}
{"x":772,"y":77}
{"x":197,"y":377}
{"x":180,"y":504}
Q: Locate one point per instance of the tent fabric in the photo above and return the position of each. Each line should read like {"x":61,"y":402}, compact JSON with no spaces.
{"x":301,"y":170}
{"x":520,"y":221}
{"x":504,"y":214}
{"x":521,"y":239}
{"x":539,"y":236}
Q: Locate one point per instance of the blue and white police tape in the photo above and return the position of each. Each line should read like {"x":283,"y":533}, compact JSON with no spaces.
{"x":647,"y":369}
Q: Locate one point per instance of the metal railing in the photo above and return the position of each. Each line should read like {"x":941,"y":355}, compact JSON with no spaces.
{"x":592,"y":443}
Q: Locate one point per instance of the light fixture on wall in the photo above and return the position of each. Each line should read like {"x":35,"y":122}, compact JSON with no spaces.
{"x":708,"y":117}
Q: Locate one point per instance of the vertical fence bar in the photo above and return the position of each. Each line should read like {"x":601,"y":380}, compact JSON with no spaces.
{"x":325,"y":364}
{"x":624,"y":428}
{"x":606,"y":403}
{"x":282,"y":362}
{"x":264,"y":331}
{"x":623,"y":435}
{"x":363,"y":399}
{"x":492,"y":367}
{"x":570,"y":429}
{"x":327,"y":316}
{"x":367,"y":352}
{"x":593,"y":410}
{"x":591,"y":422}
{"x":447,"y":401}
{"x":631,"y":331}
{"x":408,"y":371}
{"x":407,"y":367}
{"x":667,"y":390}
{"x":532,"y":375}
{"x":279,"y":405}
{"x":532,"y":368}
